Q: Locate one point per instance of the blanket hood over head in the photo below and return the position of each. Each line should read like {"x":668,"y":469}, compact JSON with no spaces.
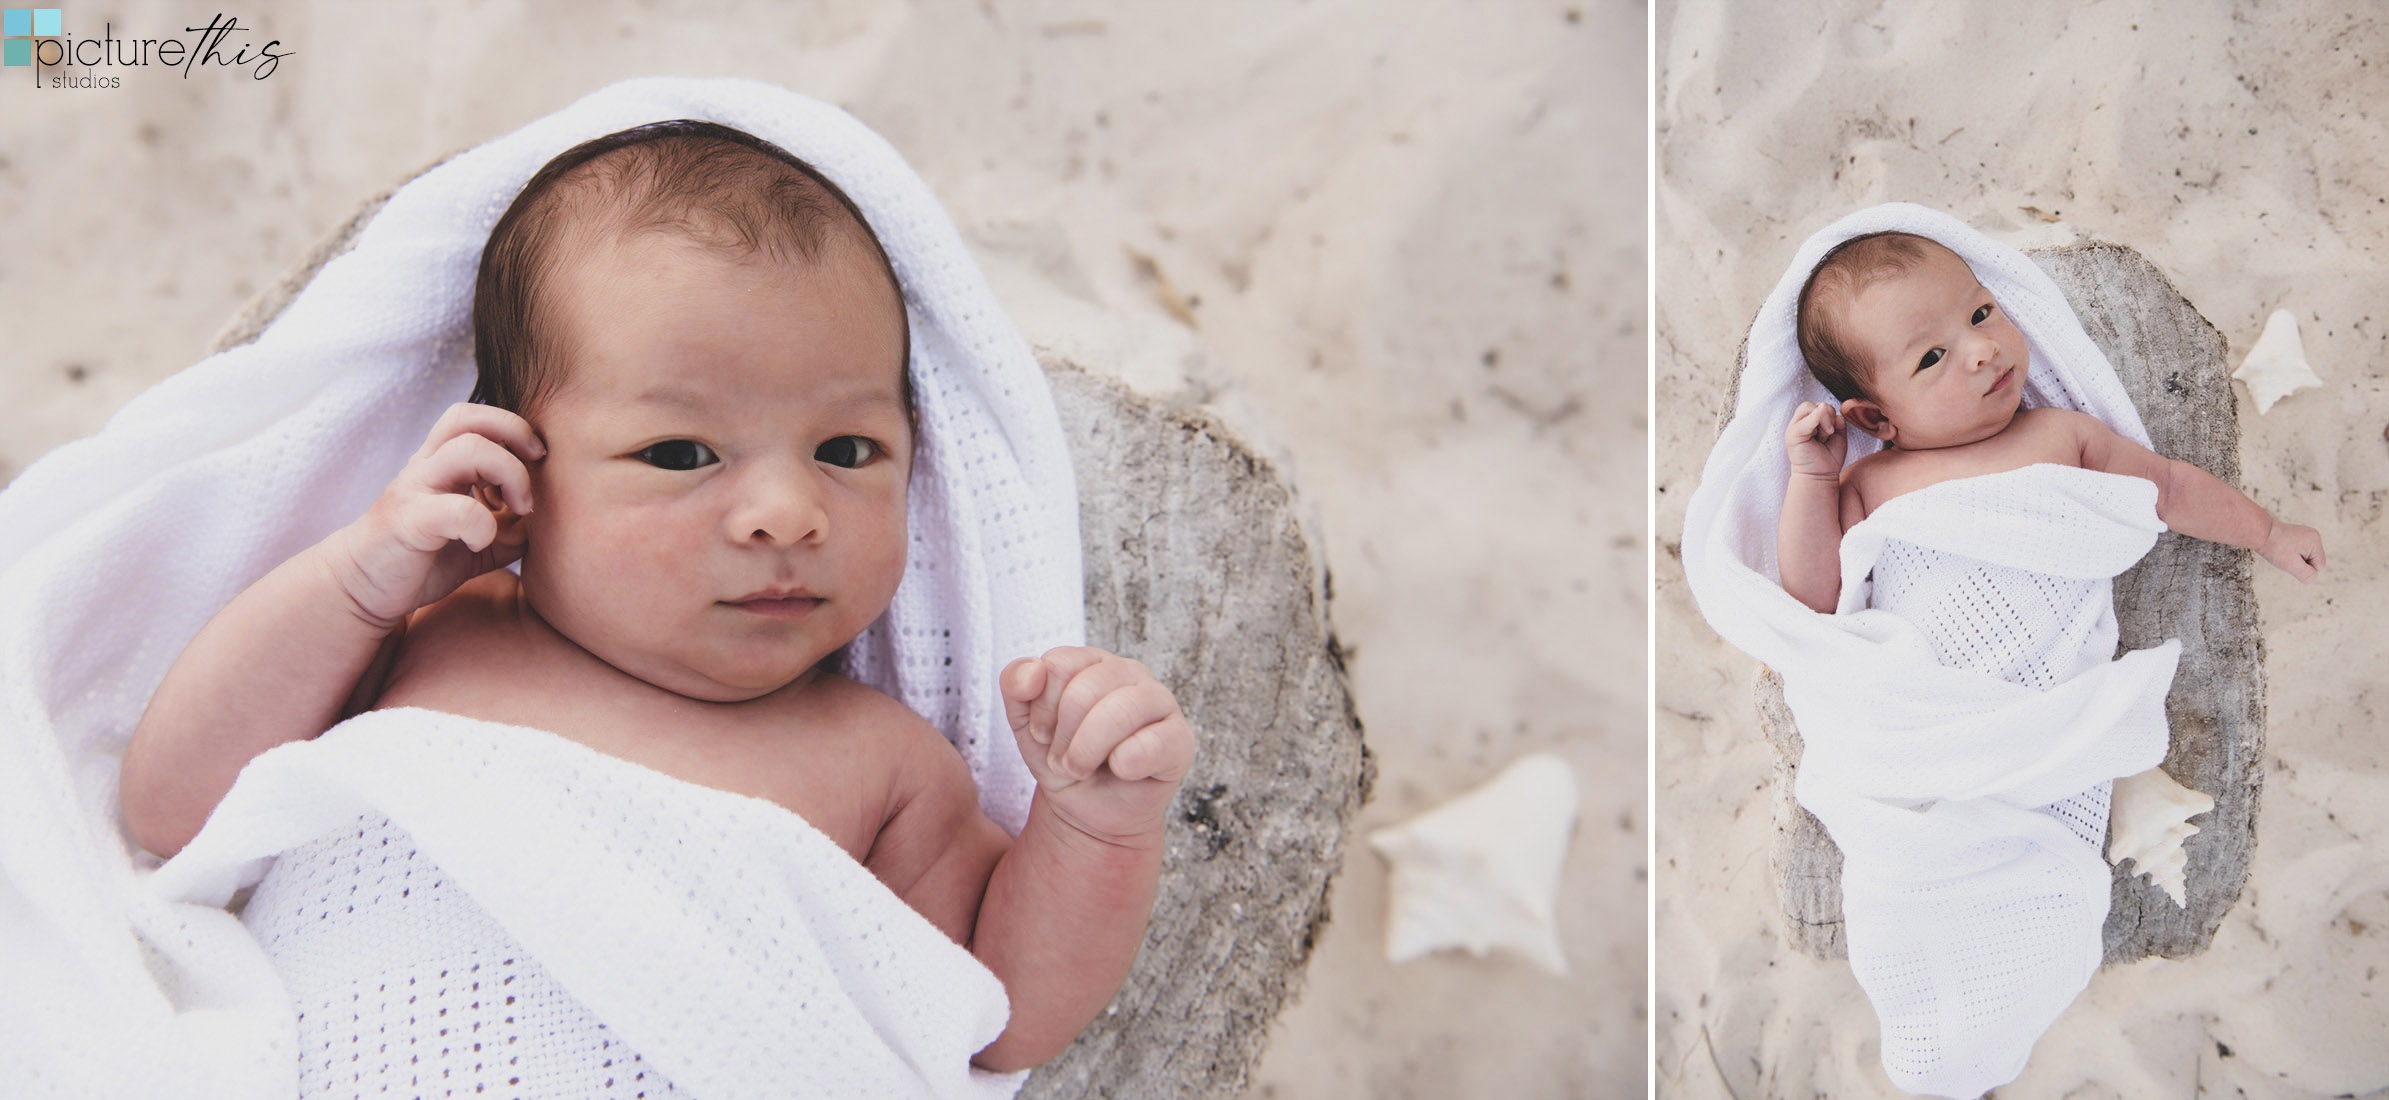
{"x":116,"y":549}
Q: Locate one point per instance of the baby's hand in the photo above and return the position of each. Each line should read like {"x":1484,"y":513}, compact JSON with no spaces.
{"x":1104,"y":739}
{"x":1816,"y":442}
{"x":454,"y":513}
{"x":2296,"y":548}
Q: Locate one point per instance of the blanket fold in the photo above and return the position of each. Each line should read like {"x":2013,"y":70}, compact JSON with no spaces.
{"x":726,"y":944}
{"x":1964,"y":709}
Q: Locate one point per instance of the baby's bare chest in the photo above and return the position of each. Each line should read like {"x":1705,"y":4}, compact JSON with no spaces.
{"x":1897,"y":474}
{"x":784,"y":749}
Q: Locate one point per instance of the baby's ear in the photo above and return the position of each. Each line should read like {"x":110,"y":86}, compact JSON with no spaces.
{"x":1866,"y":416}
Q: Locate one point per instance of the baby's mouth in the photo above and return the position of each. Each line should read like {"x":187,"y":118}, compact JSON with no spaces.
{"x":778,"y":603}
{"x":2000,"y":383}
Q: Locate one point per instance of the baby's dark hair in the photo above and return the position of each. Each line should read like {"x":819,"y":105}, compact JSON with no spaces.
{"x":1848,"y":268}
{"x":720,"y":187}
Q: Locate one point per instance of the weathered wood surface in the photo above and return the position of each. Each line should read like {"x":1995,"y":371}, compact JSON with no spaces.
{"x":1198,"y":565}
{"x":2172,"y":362}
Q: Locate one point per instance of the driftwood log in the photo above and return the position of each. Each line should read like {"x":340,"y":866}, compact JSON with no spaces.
{"x":2171,"y":361}
{"x":1198,"y":565}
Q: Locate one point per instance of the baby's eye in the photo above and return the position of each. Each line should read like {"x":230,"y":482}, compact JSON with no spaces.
{"x":848,"y":451}
{"x":679,"y":454}
{"x":1930,"y":358}
{"x":1981,"y":314}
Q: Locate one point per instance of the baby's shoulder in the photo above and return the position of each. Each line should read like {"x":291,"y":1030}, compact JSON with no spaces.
{"x":461,"y":633}
{"x":905,"y":784}
{"x":1863,"y":480}
{"x":2057,"y":435}
{"x":831,"y":701}
{"x":829,"y":723}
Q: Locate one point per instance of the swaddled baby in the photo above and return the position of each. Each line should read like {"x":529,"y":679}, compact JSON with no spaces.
{"x":1922,"y":357}
{"x":694,"y":431}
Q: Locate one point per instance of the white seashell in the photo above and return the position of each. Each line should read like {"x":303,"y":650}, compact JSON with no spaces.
{"x":1482,"y":871}
{"x":2276,"y":367}
{"x":2149,"y":815}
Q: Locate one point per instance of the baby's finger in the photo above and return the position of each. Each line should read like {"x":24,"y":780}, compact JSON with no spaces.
{"x":1064,"y":663}
{"x":1021,"y":683}
{"x":1061,"y":664}
{"x":470,"y":418}
{"x":428,"y":523}
{"x":1163,"y":751}
{"x":470,"y":460}
{"x":1090,"y":687}
{"x":1114,"y":719}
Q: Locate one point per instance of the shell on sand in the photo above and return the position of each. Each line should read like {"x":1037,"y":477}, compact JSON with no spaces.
{"x":1482,"y":871}
{"x":2150,"y":815}
{"x":2276,"y":367}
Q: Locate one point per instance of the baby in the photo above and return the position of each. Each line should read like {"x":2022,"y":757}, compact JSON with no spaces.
{"x":695,"y":434}
{"x":1969,"y":814}
{"x":1898,"y":328}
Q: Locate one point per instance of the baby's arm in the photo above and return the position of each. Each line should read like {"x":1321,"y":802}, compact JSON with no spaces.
{"x":2199,"y":504}
{"x":1063,"y":912}
{"x":294,"y":652}
{"x":1066,"y":909}
{"x":1808,"y":536}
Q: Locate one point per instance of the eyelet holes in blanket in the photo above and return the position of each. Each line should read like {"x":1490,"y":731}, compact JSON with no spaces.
{"x":380,"y":1014}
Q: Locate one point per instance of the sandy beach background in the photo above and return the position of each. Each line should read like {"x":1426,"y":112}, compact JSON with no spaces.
{"x":2238,"y":146}
{"x":1401,"y":247}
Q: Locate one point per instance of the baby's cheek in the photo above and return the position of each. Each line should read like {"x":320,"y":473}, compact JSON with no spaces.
{"x":889,"y":545}
{"x":657,"y":549}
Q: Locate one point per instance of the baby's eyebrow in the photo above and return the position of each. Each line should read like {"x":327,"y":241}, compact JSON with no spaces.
{"x":673,"y":395}
{"x":869,"y":400}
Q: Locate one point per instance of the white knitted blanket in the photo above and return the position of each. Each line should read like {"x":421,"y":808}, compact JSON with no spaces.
{"x":114,"y":550}
{"x":1973,"y":918}
{"x":461,"y":903}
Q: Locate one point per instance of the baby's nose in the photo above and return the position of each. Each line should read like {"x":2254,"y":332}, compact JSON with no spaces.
{"x":1980,"y":352}
{"x":782,"y":508}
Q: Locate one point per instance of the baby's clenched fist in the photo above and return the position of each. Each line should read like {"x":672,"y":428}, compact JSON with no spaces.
{"x":1104,"y":739}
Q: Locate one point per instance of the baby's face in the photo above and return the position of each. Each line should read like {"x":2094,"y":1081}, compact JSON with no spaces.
{"x":1945,"y":366}
{"x":722,"y":501}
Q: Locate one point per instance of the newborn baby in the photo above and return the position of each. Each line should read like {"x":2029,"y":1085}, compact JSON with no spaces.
{"x":1898,"y":328}
{"x":1970,"y":813}
{"x":694,"y":431}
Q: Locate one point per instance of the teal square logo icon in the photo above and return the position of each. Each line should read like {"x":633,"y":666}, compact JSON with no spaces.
{"x":20,"y":26}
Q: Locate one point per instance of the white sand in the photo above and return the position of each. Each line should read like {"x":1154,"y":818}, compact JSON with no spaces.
{"x":2241,"y":149}
{"x":1412,"y":241}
